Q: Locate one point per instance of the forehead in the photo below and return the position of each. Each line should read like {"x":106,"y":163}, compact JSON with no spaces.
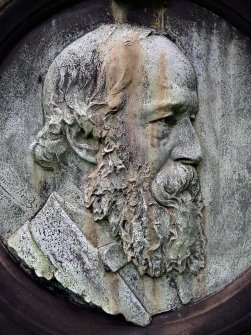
{"x":162,"y":77}
{"x":152,"y":70}
{"x":162,"y":60}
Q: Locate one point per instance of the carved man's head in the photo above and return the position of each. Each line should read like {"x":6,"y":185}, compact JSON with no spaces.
{"x":123,"y":99}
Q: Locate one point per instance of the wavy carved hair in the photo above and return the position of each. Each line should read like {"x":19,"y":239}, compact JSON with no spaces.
{"x":85,"y":84}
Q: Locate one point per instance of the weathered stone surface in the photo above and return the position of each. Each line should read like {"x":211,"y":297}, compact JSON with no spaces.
{"x":146,"y":194}
{"x":24,"y":246}
{"x":113,"y":256}
{"x":125,"y":229}
{"x":53,"y":246}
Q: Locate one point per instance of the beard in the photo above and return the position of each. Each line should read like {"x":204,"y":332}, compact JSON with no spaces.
{"x":158,"y":220}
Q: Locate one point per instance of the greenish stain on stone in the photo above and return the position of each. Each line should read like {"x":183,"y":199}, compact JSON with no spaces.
{"x":24,"y":246}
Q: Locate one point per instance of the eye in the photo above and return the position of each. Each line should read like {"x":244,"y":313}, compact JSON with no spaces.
{"x":169,"y":120}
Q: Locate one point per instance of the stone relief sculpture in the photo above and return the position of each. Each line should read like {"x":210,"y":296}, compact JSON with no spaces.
{"x":123,"y":229}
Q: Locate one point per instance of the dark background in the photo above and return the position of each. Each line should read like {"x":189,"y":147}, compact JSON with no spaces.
{"x":13,"y":24}
{"x":7,"y":327}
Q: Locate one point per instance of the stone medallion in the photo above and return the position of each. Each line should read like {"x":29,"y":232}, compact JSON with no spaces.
{"x":125,"y":174}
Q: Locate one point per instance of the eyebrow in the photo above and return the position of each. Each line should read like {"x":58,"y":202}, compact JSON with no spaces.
{"x":154,"y":112}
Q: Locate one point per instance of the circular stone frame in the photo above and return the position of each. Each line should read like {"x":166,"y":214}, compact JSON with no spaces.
{"x":43,"y":313}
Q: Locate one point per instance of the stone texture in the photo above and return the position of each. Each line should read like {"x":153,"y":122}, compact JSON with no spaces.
{"x":220,"y":57}
{"x":24,"y":246}
{"x":113,"y":256}
{"x":53,"y":246}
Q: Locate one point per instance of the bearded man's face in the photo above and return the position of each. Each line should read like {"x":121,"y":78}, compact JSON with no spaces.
{"x":145,"y":183}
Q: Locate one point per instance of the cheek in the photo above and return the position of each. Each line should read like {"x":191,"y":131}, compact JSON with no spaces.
{"x":148,"y":144}
{"x":155,"y":146}
{"x":163,"y":133}
{"x":142,"y":144}
{"x":160,"y":146}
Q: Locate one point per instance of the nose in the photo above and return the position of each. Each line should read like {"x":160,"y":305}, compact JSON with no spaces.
{"x":186,"y":146}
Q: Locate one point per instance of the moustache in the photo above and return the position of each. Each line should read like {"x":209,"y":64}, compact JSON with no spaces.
{"x":175,"y":183}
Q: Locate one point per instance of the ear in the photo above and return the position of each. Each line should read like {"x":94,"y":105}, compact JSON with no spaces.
{"x":82,"y":142}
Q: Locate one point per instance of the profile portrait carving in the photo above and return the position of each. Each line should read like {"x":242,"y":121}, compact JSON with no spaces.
{"x":123,"y":229}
